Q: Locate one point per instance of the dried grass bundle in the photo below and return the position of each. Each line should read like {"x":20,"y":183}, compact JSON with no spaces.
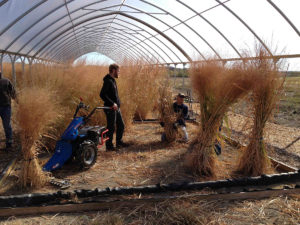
{"x":35,"y":111}
{"x":166,"y":111}
{"x":266,"y":93}
{"x":217,"y":88}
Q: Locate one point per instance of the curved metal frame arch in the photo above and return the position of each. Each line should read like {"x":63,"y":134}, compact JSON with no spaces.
{"x":92,"y":50}
{"x":70,"y":54}
{"x":192,"y":29}
{"x":95,"y":40}
{"x":285,"y":17}
{"x":41,"y":2}
{"x":79,"y":33}
{"x":213,"y":26}
{"x":246,"y":25}
{"x":82,"y":35}
{"x":82,"y":38}
{"x":128,"y":16}
{"x":169,"y":27}
{"x":164,"y":44}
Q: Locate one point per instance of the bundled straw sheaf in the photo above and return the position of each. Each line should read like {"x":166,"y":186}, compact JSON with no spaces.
{"x":166,"y":111}
{"x":265,"y":96}
{"x":217,"y":88}
{"x":35,"y":112}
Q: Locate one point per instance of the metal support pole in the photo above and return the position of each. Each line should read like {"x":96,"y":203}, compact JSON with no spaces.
{"x":1,"y":64}
{"x":175,"y":75}
{"x":23,"y":66}
{"x":183,"y":75}
{"x":13,"y":71}
{"x":30,"y":60}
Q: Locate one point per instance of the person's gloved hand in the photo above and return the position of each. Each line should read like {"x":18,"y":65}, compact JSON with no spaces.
{"x":115,"y":107}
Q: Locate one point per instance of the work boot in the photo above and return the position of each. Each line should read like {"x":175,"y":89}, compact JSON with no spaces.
{"x":111,"y":149}
{"x":121,"y":144}
{"x":8,"y":147}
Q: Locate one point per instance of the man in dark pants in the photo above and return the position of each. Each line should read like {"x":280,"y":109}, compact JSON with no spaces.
{"x":109,"y":94}
{"x":7,"y":92}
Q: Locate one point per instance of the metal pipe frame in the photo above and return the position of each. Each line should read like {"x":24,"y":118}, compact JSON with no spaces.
{"x":246,"y":25}
{"x":130,"y":56}
{"x":274,"y":57}
{"x":128,"y":16}
{"x":125,"y":15}
{"x":121,"y":38}
{"x":21,"y":16}
{"x":69,"y":51}
{"x":213,"y":26}
{"x":1,"y":64}
{"x":86,"y":33}
{"x":13,"y":69}
{"x":94,"y":40}
{"x":34,"y":46}
{"x":118,"y":44}
{"x":169,"y":26}
{"x":95,"y":24}
{"x":285,"y":17}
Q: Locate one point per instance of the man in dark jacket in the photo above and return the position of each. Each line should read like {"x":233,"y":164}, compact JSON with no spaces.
{"x":7,"y":92}
{"x":110,"y":96}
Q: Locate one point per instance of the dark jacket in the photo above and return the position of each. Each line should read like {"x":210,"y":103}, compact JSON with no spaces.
{"x":183,"y":111}
{"x":109,"y":91}
{"x":7,"y":91}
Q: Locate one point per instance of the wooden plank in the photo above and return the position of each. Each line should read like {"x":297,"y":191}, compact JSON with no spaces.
{"x":282,"y":166}
{"x":105,"y":205}
{"x":7,"y":170}
{"x":277,"y":164}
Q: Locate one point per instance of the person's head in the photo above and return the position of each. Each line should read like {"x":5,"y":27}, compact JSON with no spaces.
{"x":180,"y":98}
{"x":114,"y":70}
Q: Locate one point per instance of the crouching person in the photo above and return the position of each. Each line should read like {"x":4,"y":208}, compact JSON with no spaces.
{"x":182,"y":114}
{"x":181,"y":111}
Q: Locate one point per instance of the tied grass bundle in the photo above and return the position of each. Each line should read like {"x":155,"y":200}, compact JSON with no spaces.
{"x":36,"y":110}
{"x":217,"y":88}
{"x":266,"y":92}
{"x":166,"y":111}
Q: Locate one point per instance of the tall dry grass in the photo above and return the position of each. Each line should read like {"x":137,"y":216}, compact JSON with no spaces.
{"x":138,"y":89}
{"x":265,"y":96}
{"x":36,"y":110}
{"x":166,"y":112}
{"x":217,"y":88}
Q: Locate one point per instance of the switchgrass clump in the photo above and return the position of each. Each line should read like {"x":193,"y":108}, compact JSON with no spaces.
{"x":166,"y":112}
{"x":36,"y":110}
{"x":149,"y":81}
{"x":217,"y":88}
{"x":265,"y":96}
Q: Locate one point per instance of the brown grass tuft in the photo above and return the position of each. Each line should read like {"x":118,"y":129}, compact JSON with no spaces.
{"x":266,"y":93}
{"x":217,"y":88}
{"x":36,"y":110}
{"x":166,"y":111}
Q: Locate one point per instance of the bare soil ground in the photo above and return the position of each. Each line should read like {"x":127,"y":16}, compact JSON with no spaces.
{"x":146,"y":161}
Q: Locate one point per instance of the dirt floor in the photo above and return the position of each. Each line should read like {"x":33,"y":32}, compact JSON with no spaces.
{"x":146,"y":161}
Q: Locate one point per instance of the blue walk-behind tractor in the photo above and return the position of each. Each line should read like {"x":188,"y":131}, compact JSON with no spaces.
{"x":78,"y":141}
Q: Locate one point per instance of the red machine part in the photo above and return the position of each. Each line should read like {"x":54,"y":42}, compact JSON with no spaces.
{"x":103,"y":139}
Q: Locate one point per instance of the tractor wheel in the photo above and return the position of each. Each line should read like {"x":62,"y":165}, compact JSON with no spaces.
{"x":87,"y":154}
